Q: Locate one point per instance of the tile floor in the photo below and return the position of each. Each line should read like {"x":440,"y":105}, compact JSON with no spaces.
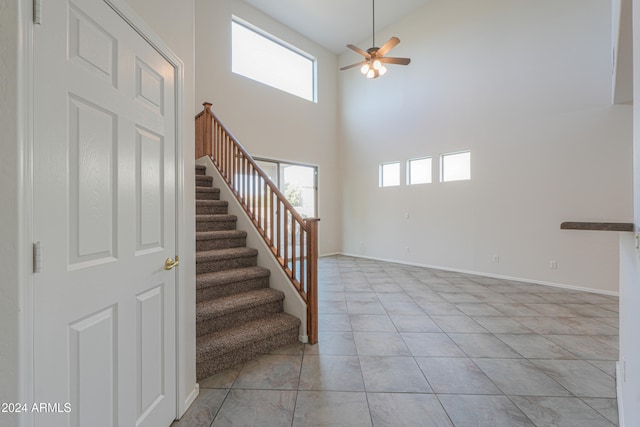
{"x":410,"y":346}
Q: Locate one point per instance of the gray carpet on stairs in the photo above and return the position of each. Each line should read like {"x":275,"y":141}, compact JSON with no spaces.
{"x":238,"y":316}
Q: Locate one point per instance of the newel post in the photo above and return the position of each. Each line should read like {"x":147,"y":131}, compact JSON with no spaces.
{"x":312,"y":279}
{"x":204,"y":124}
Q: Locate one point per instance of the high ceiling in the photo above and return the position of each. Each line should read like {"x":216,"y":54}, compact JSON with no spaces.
{"x":335,"y":23}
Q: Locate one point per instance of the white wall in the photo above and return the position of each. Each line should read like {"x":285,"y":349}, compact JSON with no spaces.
{"x":174,"y":23}
{"x":526,"y":86}
{"x":11,"y":176}
{"x":268,"y":122}
{"x":629,"y":379}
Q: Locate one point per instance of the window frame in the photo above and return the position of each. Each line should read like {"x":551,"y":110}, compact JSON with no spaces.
{"x":278,"y":181}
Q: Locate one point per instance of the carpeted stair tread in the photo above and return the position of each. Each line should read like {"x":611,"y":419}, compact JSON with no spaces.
{"x":212,"y":203}
{"x":225,"y":254}
{"x":225,"y":277}
{"x":220,"y":234}
{"x":204,"y":181}
{"x":221,"y":283}
{"x":207,"y":193}
{"x":201,"y":170}
{"x":225,"y":259}
{"x":208,"y":207}
{"x":233,"y":310}
{"x":229,"y":359}
{"x":220,"y":239}
{"x":232,"y":339}
{"x":216,"y":218}
{"x":207,"y":190}
{"x":215,"y":222}
{"x":239,"y":302}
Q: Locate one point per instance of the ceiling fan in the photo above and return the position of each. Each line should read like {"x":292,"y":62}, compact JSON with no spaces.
{"x":373,"y":64}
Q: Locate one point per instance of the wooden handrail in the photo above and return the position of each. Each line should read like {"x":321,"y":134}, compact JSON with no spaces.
{"x":597,"y":226}
{"x":292,"y":239}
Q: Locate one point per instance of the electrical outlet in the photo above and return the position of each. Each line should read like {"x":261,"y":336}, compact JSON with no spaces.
{"x":553,"y":264}
{"x":496,"y":258}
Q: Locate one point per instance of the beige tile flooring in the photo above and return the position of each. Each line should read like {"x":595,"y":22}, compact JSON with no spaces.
{"x":410,"y":346}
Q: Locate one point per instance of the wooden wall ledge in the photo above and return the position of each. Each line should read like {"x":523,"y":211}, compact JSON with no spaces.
{"x":598,"y":226}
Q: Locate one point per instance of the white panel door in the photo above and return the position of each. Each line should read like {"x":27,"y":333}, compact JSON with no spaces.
{"x":104,"y":213}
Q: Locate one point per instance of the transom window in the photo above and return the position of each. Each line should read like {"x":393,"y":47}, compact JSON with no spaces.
{"x":266,"y":59}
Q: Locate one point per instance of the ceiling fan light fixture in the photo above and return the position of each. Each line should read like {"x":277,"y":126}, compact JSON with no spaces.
{"x":375,"y":57}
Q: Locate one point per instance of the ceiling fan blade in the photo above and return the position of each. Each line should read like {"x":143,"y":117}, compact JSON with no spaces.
{"x":360,"y":51}
{"x":399,"y":61}
{"x":357,"y":64}
{"x":390,"y":44}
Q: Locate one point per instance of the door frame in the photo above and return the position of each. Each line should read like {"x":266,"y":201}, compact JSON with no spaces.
{"x":26,"y":123}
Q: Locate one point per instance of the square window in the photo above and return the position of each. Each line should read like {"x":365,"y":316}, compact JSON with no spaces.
{"x":455,"y":166}
{"x":419,"y":171}
{"x":390,"y":174}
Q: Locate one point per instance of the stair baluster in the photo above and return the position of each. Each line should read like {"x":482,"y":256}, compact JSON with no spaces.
{"x":293,"y":240}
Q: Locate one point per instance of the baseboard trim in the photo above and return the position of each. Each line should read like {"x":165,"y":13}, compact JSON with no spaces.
{"x":330,"y":254}
{"x":483,"y":274}
{"x":304,"y":339}
{"x":619,"y":394}
{"x":190,"y":399}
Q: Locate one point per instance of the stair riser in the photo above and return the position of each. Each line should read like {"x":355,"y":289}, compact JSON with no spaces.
{"x":216,"y":324}
{"x":212,"y":210}
{"x":203,"y":194}
{"x":215,"y":225}
{"x":205,"y":367}
{"x":227,"y":264}
{"x":204,"y":181}
{"x":212,"y":244}
{"x":212,"y":292}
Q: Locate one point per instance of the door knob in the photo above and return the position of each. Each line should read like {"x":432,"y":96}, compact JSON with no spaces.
{"x":170,"y":263}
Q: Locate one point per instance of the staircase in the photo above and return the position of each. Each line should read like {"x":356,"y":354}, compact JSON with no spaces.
{"x":238,"y":316}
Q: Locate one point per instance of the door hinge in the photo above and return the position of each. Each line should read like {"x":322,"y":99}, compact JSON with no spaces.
{"x":37,"y":257}
{"x":36,"y":11}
